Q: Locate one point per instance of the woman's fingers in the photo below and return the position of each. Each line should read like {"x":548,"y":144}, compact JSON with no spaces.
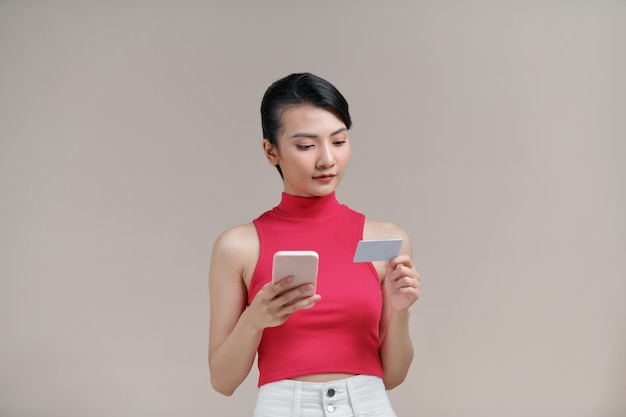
{"x":281,"y":286}
{"x":402,"y":276}
{"x":277,"y":302}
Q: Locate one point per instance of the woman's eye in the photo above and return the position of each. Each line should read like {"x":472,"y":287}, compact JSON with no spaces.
{"x":339,"y":142}
{"x":304,"y":147}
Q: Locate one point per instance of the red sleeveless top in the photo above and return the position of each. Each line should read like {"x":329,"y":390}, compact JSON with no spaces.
{"x":340,"y":333}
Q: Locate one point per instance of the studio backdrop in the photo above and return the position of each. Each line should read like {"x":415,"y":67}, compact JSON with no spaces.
{"x":492,"y":132}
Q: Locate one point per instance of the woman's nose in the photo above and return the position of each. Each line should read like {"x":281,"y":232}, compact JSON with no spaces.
{"x":326,"y":159}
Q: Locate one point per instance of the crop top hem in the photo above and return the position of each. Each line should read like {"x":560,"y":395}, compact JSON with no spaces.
{"x":314,"y":371}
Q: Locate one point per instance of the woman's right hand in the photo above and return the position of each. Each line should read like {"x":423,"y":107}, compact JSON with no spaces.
{"x":269,"y":309}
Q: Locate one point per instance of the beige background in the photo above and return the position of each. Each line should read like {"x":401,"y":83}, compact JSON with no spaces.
{"x":494,"y":134}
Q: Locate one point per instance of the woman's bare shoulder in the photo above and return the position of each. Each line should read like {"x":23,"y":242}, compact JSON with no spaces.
{"x":235,"y":253}
{"x":377,"y":229}
{"x":237,"y":240}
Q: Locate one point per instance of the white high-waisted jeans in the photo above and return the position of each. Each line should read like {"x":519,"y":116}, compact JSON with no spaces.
{"x":360,"y":395}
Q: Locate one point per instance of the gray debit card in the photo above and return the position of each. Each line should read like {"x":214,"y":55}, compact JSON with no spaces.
{"x":377,"y":250}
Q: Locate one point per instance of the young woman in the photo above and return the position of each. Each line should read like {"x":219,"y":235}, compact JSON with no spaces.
{"x":335,"y":352}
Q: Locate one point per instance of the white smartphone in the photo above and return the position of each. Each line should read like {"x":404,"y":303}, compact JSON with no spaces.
{"x":377,"y":250}
{"x":301,"y":264}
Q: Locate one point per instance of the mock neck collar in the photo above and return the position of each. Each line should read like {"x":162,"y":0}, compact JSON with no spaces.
{"x":307,"y":207}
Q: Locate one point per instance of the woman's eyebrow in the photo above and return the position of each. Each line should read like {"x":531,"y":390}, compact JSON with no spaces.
{"x":313,"y":135}
{"x":302,"y":135}
{"x":338,"y":131}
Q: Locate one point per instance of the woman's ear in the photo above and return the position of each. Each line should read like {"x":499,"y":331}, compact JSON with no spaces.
{"x":270,"y":152}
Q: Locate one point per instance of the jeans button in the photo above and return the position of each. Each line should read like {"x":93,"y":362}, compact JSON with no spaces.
{"x":331,"y":408}
{"x":330,"y":393}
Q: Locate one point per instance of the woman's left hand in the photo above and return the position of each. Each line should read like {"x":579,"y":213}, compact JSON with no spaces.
{"x":401,"y":285}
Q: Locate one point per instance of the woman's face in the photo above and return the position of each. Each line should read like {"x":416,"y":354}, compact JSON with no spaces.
{"x":313,"y":151}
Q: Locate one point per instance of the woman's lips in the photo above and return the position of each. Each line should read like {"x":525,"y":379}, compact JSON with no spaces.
{"x":324,"y":178}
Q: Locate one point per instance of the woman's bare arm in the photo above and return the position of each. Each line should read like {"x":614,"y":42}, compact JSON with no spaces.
{"x":235,"y":331}
{"x":400,"y":290}
{"x":233,"y":340}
